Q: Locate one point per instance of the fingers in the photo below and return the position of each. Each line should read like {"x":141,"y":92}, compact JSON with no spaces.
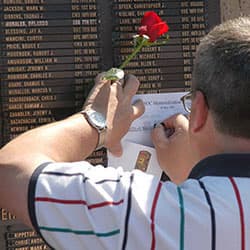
{"x":118,"y":82}
{"x":138,"y":109}
{"x":163,"y":132}
{"x":117,"y":88}
{"x":127,"y":88}
{"x":131,"y":85}
{"x":101,"y":79}
{"x":159,"y":137}
{"x":175,"y":121}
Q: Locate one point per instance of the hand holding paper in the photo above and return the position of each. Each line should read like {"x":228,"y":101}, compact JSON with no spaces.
{"x":174,"y":154}
{"x":138,"y":139}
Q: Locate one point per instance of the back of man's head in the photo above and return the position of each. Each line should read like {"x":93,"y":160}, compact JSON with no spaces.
{"x":222,"y":73}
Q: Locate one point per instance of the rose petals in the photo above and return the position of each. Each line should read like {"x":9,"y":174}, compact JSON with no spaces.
{"x":152,"y":26}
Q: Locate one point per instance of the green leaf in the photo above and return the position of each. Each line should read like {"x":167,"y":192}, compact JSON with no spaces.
{"x":114,"y":74}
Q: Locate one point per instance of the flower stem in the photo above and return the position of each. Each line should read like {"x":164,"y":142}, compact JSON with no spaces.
{"x":132,"y":55}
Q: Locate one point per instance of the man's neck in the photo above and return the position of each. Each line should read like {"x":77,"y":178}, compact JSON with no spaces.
{"x":232,"y":144}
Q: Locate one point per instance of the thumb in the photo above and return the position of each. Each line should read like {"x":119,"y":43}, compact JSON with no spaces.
{"x":116,"y":150}
{"x":138,"y":109}
{"x":159,"y":137}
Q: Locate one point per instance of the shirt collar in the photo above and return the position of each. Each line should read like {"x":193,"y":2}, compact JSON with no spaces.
{"x":235,"y":165}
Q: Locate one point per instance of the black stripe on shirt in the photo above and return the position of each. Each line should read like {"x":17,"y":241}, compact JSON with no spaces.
{"x":31,"y":198}
{"x":213,"y":223}
{"x":125,"y":238}
{"x":230,"y":165}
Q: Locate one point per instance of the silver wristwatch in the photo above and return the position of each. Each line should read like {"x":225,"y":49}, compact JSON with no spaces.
{"x":97,"y":121}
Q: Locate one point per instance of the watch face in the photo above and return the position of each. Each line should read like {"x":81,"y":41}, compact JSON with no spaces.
{"x":98,"y":119}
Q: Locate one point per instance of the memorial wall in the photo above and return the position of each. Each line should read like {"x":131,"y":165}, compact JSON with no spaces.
{"x":234,"y":8}
{"x":51,"y":51}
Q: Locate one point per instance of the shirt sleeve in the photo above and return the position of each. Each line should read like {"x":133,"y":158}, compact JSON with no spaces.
{"x":76,"y":204}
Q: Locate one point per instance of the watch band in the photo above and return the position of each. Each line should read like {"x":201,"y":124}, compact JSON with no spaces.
{"x":101,"y":139}
{"x":100,"y":127}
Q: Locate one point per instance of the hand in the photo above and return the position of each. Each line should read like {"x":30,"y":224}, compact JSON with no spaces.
{"x":173,"y":149}
{"x":113,"y":99}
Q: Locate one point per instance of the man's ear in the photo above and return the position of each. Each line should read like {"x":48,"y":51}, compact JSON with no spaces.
{"x":199,"y":112}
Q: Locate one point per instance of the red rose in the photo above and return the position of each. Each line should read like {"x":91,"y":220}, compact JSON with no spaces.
{"x":152,"y":26}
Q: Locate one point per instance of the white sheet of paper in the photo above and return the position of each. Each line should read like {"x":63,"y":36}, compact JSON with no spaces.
{"x":138,"y":139}
{"x":157,"y":108}
{"x":136,"y":154}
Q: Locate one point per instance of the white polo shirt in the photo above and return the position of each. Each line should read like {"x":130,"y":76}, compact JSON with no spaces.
{"x":78,"y":206}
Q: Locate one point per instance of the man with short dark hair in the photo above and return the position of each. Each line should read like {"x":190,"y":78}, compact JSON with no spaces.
{"x":74,"y":205}
{"x":225,"y":66}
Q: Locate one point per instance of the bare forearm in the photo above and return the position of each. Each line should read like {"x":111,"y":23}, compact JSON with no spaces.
{"x":69,"y":140}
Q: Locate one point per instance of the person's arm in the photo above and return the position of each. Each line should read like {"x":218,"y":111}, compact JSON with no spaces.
{"x":173,"y":150}
{"x":72,"y":139}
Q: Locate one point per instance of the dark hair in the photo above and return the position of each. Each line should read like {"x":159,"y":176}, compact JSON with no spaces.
{"x":222,"y":73}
